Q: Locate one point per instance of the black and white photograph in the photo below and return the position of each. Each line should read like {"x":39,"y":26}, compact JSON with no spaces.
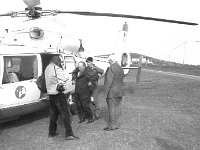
{"x":99,"y":75}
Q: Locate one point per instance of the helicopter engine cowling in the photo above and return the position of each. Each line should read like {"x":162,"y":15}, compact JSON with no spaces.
{"x":70,"y":45}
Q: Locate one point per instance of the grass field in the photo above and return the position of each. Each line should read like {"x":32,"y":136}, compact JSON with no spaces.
{"x":174,"y":67}
{"x":161,"y":112}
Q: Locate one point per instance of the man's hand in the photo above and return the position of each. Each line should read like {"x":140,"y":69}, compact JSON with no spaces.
{"x":73,"y":82}
{"x":89,"y":84}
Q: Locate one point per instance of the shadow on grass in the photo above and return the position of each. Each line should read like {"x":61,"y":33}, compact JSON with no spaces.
{"x":167,"y":144}
{"x":104,"y":113}
{"x":127,"y":89}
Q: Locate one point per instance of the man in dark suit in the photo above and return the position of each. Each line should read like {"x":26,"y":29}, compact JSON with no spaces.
{"x":82,"y":76}
{"x":94,"y":89}
{"x":113,"y":83}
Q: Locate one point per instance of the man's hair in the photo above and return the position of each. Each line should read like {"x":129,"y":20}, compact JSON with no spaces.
{"x":82,"y":62}
{"x":89,"y":59}
{"x":113,"y":58}
{"x":56,"y":59}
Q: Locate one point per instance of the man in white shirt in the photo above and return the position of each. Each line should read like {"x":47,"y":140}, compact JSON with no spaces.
{"x":54,"y":75}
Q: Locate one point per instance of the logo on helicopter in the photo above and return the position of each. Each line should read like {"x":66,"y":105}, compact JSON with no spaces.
{"x":20,"y":92}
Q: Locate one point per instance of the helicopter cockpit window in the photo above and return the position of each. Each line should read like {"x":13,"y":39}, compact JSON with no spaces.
{"x":19,"y":68}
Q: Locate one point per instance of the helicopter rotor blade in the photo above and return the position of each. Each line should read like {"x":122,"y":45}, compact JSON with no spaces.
{"x":85,"y":13}
{"x":15,"y":14}
{"x":7,"y":14}
{"x":125,"y":16}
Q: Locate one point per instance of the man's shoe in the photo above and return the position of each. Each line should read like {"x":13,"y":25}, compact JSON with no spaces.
{"x":90,"y":121}
{"x":52,"y":135}
{"x":97,"y":118}
{"x":72,"y":137}
{"x":109,"y":129}
{"x":82,"y":120}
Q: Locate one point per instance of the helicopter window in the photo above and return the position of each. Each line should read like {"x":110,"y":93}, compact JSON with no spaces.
{"x":36,"y":33}
{"x":19,"y":68}
{"x":124,"y":60}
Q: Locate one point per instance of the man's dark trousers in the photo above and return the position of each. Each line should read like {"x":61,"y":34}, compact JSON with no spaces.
{"x":83,"y":105}
{"x":114,"y":108}
{"x":58,"y":105}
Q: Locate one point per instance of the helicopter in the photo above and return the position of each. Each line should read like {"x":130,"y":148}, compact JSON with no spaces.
{"x":22,"y":64}
{"x":26,"y":51}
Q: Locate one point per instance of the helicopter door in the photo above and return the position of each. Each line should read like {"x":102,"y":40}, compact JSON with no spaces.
{"x":1,"y":70}
{"x":18,"y":85}
{"x":69,"y":63}
{"x":69,"y":66}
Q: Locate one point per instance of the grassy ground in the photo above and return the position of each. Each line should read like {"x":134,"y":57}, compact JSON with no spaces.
{"x":159,"y":113}
{"x":177,"y":68}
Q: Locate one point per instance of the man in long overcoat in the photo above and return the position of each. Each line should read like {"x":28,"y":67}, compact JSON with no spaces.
{"x":82,"y":76}
{"x":113,"y":83}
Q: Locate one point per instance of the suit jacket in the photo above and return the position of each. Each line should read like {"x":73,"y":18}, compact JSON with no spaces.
{"x":82,"y":81}
{"x":113,"y":81}
{"x":96,"y":71}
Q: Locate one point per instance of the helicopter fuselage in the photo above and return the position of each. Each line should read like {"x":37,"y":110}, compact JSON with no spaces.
{"x":20,"y":66}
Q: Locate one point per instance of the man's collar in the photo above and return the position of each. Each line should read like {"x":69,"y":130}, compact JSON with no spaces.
{"x":114,"y":62}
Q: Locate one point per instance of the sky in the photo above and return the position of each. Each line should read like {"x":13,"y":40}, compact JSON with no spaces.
{"x":167,"y":41}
